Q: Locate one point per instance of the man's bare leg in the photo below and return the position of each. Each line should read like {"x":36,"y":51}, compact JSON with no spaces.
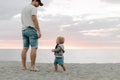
{"x":23,"y":56}
{"x":33,"y":59}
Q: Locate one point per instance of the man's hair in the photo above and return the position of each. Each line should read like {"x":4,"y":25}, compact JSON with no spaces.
{"x":40,"y":3}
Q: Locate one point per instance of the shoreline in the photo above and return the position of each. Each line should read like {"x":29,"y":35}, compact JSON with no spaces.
{"x":11,"y":70}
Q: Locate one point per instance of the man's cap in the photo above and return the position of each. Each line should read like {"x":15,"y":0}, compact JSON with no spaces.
{"x":40,"y":3}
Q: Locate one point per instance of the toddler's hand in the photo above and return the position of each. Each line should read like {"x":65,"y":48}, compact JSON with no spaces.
{"x":52,"y":50}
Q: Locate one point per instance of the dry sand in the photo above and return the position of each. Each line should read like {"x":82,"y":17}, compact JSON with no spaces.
{"x":12,"y":71}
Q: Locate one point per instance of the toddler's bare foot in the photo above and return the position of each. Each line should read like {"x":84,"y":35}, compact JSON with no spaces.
{"x":24,"y":68}
{"x":56,"y":70}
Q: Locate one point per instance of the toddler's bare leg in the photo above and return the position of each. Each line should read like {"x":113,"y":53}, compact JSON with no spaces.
{"x":56,"y":67}
{"x":63,"y":67}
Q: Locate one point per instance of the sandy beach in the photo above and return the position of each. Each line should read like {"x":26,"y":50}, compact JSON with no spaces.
{"x":12,"y":71}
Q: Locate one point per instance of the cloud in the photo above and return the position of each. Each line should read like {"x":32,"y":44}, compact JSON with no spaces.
{"x":73,"y":8}
{"x":11,"y":8}
{"x":17,"y":16}
{"x":64,"y":26}
{"x":10,"y":29}
{"x":101,"y":16}
{"x":111,"y":1}
{"x":118,"y":36}
{"x":100,"y":32}
{"x":80,"y":23}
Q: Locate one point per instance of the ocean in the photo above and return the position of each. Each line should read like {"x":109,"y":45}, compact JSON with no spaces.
{"x":70,"y":56}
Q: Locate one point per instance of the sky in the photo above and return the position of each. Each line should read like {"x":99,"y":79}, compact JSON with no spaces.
{"x":85,"y":24}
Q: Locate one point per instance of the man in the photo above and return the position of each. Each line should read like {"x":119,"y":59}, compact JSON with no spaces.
{"x":30,"y":32}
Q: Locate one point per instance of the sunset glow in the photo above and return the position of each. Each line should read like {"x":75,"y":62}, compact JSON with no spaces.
{"x":85,"y":24}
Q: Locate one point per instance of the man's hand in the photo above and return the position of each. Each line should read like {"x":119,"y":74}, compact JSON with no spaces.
{"x":35,"y":21}
{"x":39,"y":35}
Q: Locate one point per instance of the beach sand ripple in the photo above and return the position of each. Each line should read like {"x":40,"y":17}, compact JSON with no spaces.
{"x":12,"y":71}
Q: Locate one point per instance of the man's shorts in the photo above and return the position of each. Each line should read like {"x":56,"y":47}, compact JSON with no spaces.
{"x":59,"y":60}
{"x":30,"y":37}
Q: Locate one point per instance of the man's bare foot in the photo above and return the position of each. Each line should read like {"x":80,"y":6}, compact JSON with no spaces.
{"x":34,"y":69}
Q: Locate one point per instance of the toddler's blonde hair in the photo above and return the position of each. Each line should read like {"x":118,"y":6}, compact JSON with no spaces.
{"x":61,"y":39}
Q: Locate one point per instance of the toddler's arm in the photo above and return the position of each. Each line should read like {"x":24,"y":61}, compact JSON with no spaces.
{"x":56,"y":50}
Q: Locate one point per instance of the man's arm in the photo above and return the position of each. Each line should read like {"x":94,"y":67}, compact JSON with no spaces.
{"x":35,"y":21}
